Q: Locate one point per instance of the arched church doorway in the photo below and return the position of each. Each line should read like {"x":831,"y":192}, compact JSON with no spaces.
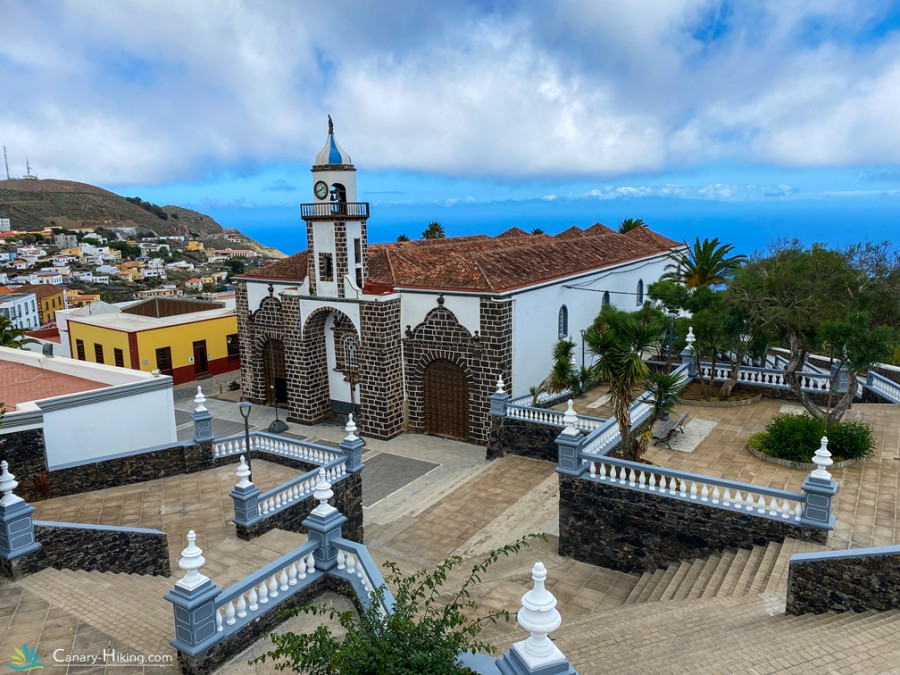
{"x":446,"y":400}
{"x":276,"y":377}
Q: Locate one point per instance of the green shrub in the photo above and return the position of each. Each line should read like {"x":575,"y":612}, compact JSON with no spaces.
{"x":797,"y":437}
{"x":793,"y":437}
{"x":851,"y":440}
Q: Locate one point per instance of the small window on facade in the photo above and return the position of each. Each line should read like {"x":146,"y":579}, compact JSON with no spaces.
{"x":233,"y":347}
{"x":357,"y":249}
{"x":350,"y":349}
{"x":326,"y":267}
{"x":164,"y":360}
{"x":98,"y":353}
{"x":119,"y":357}
{"x":359,"y":281}
{"x":563,"y":322}
{"x":79,"y":349}
{"x":640,"y":292}
{"x":606,"y":298}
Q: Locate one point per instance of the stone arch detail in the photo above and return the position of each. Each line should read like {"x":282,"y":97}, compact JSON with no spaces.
{"x":270,"y":313}
{"x":312,"y":403}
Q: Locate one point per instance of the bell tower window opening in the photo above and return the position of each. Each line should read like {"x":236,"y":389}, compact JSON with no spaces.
{"x":326,"y":267}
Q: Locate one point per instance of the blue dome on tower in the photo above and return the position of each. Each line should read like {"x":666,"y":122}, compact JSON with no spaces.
{"x":332,"y":153}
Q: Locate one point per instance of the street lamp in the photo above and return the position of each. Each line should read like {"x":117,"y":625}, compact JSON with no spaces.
{"x":244,"y":407}
{"x":670,"y":337}
{"x":277,"y":426}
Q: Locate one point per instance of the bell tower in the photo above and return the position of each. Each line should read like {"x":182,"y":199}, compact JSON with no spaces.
{"x":335,"y":225}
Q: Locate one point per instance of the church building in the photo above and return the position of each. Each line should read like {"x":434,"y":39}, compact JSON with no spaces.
{"x":413,"y":335}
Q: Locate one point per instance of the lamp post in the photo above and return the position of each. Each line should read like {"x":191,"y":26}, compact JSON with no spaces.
{"x":277,"y":426}
{"x":244,"y":407}
{"x":670,"y":337}
{"x":582,"y":331}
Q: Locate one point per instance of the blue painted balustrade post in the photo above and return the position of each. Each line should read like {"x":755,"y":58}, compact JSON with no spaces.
{"x":568,"y":444}
{"x":193,"y":599}
{"x":819,"y":488}
{"x":499,"y":399}
{"x":16,"y":527}
{"x":246,"y":497}
{"x":352,"y":446}
{"x":539,"y":616}
{"x":202,"y":419}
{"x":323,"y":525}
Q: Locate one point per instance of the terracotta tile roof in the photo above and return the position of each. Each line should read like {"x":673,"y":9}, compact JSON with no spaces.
{"x":491,"y":264}
{"x":21,"y":383}
{"x":40,"y":290}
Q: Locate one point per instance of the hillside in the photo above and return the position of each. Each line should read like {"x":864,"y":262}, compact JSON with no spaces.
{"x":36,"y":204}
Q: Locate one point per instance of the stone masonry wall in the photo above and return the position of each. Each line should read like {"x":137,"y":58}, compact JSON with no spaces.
{"x":347,"y":499}
{"x":104,"y":549}
{"x":845,"y":583}
{"x":380,"y":370}
{"x":26,"y":453}
{"x":482,"y":355}
{"x":517,"y":437}
{"x":638,"y":532}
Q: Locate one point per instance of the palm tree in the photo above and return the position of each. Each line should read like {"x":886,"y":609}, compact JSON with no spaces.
{"x":704,"y":264}
{"x":403,"y":237}
{"x":619,"y":340}
{"x":631,"y":224}
{"x":12,"y":336}
{"x":563,"y":375}
{"x":434,"y":231}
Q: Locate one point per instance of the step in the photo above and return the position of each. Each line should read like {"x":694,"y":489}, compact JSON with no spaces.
{"x":638,"y":588}
{"x":669,"y":589}
{"x":766,"y":565}
{"x":743,"y":583}
{"x":778,"y":580}
{"x":651,"y":585}
{"x":665,"y":582}
{"x":706,"y":574}
{"x":719,"y":575}
{"x":690,"y":580}
{"x":738,"y":563}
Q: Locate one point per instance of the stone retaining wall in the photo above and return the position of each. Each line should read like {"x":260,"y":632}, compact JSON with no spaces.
{"x":125,"y":550}
{"x":347,"y":499}
{"x":842,"y":581}
{"x":26,"y":453}
{"x":518,"y":437}
{"x":638,"y":532}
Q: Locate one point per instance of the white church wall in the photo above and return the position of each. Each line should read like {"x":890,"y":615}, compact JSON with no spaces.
{"x":323,"y":236}
{"x":416,"y":305}
{"x":338,"y":388}
{"x":536,"y":314}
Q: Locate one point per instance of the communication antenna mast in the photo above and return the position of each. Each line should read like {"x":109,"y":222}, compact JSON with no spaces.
{"x":6,"y":162}
{"x":27,"y":166}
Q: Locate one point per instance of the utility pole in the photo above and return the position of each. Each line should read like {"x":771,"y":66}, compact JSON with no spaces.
{"x":6,"y":162}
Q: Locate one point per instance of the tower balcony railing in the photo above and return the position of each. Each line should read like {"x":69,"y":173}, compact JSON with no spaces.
{"x":334,"y":210}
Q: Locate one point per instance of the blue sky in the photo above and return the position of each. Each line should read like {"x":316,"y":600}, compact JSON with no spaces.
{"x":746,"y":121}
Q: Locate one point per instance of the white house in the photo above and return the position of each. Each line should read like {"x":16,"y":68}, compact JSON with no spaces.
{"x":417,"y":333}
{"x":21,"y":309}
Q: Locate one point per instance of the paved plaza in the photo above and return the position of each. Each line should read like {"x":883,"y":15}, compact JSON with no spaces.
{"x":426,"y":498}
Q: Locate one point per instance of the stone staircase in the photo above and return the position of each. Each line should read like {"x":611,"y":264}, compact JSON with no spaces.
{"x":762,"y":569}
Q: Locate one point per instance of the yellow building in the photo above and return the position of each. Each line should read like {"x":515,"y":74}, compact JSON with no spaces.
{"x":186,"y":339}
{"x":78,"y":298}
{"x":49,"y":299}
{"x":194,"y":245}
{"x":72,"y":251}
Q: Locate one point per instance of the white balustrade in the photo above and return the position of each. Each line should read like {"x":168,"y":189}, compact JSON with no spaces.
{"x":252,"y":600}
{"x":284,"y":447}
{"x":551,"y":417}
{"x":694,"y":489}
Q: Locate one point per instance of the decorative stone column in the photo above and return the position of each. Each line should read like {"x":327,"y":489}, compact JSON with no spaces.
{"x":193,"y":598}
{"x":352,"y":446}
{"x":202,"y":419}
{"x":820,"y":488}
{"x":246,"y":497}
{"x":499,"y":399}
{"x":16,"y":527}
{"x":323,"y":525}
{"x":539,"y":616}
{"x":688,"y":355}
{"x":568,"y":444}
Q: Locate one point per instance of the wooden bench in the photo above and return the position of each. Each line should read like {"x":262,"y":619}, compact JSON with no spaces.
{"x":667,"y":430}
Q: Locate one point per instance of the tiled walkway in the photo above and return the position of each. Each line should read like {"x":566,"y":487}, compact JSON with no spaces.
{"x":463,"y":506}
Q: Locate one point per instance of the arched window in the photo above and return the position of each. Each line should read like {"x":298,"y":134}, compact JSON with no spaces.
{"x":350,"y":348}
{"x":563,"y":322}
{"x":640,"y":292}
{"x":606,"y":298}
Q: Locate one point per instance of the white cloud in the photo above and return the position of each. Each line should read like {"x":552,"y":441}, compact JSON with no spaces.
{"x":131,"y":92}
